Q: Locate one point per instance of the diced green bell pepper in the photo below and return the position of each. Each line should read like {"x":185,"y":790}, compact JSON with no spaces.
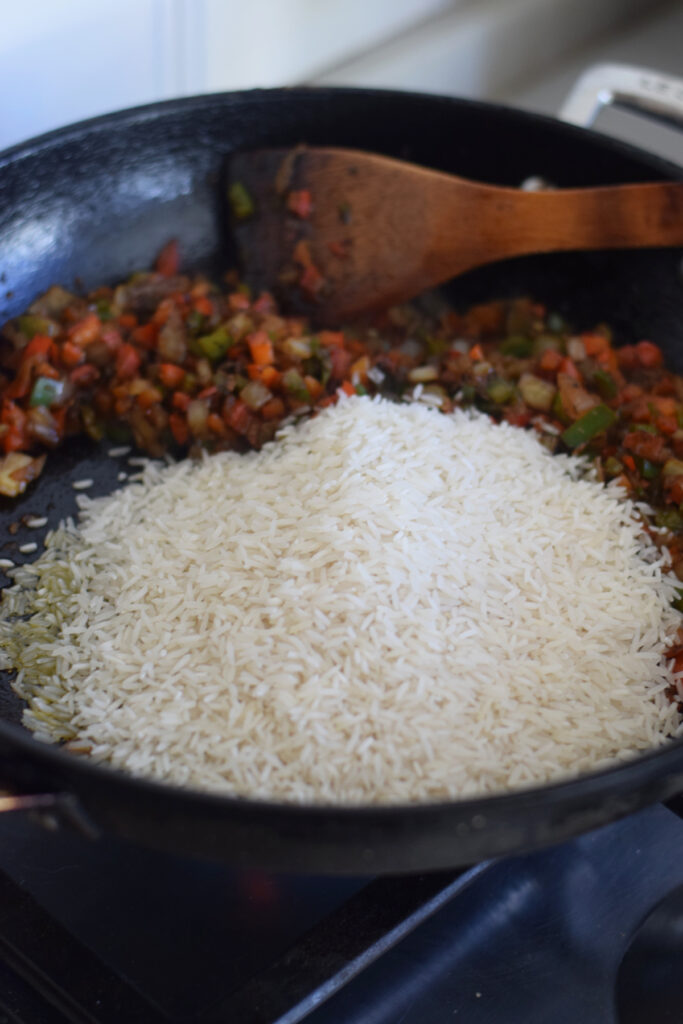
{"x":241,"y":202}
{"x":593,"y":422}
{"x":215,"y":345}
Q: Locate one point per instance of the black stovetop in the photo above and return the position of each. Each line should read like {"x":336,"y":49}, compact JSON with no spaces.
{"x":107,"y":932}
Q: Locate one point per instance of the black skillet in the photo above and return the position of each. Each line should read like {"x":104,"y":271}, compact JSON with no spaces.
{"x":96,"y":201}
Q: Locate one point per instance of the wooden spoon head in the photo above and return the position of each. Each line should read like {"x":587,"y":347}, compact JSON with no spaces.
{"x":334,"y":232}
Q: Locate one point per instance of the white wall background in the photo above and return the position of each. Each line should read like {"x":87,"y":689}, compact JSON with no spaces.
{"x":63,"y":60}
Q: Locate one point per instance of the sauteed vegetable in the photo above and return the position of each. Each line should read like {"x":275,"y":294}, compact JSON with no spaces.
{"x":173,"y":362}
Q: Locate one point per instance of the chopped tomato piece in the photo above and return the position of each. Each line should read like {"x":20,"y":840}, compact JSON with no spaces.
{"x":180,"y":401}
{"x":216,"y":424}
{"x":649,"y":355}
{"x":171,"y":375}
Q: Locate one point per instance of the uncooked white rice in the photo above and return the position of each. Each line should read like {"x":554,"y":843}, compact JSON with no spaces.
{"x":386,"y":604}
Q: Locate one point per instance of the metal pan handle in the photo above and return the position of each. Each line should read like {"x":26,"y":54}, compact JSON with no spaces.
{"x":623,"y":85}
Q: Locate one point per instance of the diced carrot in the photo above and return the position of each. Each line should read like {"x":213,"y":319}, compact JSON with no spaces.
{"x":676,"y":490}
{"x":274,"y":409}
{"x":261,"y":348}
{"x":149,"y":397}
{"x":551,"y":360}
{"x":171,"y":375}
{"x":649,"y":355}
{"x":180,"y":401}
{"x":348,"y":388}
{"x":315,"y":388}
{"x":329,"y":400}
{"x":629,"y":462}
{"x":360,"y":367}
{"x":270,"y":377}
{"x":84,"y":376}
{"x":595,"y":344}
{"x":168,"y":260}
{"x":477,"y":353}
{"x":179,"y":428}
{"x":127,"y":361}
{"x":203,"y":305}
{"x":216,"y":424}
{"x":86,"y":330}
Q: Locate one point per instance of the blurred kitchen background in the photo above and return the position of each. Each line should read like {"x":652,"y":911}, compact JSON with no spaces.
{"x":63,"y":60}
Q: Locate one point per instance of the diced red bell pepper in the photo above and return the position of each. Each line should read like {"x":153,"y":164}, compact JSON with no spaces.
{"x":179,"y":428}
{"x":36,"y":351}
{"x":238,"y":417}
{"x":127,"y":362}
{"x":14,"y":418}
{"x":84,"y":376}
{"x":300,"y":203}
{"x":71,"y":355}
{"x":168,"y":260}
{"x":146,"y":335}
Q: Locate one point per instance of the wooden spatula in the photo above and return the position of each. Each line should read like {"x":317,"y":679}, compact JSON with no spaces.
{"x":344,"y":232}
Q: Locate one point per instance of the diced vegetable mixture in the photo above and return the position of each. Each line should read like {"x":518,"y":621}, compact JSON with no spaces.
{"x":173,"y":362}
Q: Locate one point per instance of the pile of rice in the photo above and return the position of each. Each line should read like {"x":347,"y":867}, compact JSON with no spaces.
{"x":386,"y":604}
